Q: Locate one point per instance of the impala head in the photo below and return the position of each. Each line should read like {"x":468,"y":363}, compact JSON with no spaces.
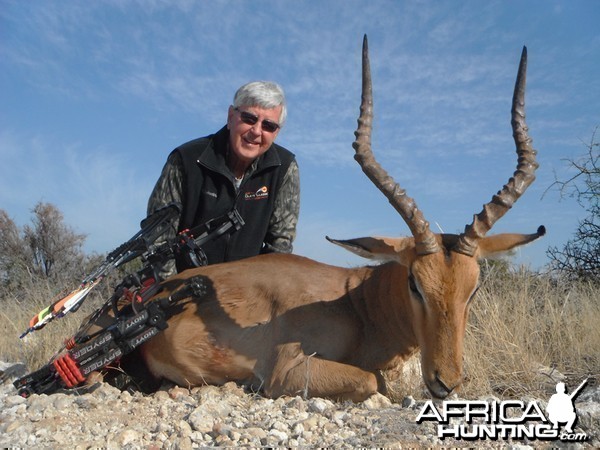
{"x":442,"y":270}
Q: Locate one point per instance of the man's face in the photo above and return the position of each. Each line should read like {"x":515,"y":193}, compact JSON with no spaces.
{"x":247,"y":141}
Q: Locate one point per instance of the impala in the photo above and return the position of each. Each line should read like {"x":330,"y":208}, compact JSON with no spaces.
{"x":289,"y":325}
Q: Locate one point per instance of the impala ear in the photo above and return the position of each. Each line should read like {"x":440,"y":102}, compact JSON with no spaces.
{"x":379,"y":248}
{"x":499,"y":243}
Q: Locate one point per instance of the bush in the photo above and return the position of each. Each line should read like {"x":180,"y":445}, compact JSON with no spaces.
{"x":579,"y":258}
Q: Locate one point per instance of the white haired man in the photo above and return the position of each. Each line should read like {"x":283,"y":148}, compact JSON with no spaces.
{"x":239,"y":167}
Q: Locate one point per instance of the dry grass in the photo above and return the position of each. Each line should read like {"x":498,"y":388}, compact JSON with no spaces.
{"x":525,"y":328}
{"x":519,"y":321}
{"x":37,"y":348}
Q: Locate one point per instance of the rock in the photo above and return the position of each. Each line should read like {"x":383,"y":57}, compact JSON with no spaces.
{"x":127,"y":437}
{"x":280,"y":436}
{"x":185,"y":430}
{"x":318,"y":405}
{"x":201,"y":421}
{"x":377,"y":401}
{"x":408,"y":402}
{"x":257,"y":433}
{"x":13,"y":400}
{"x":339,"y":417}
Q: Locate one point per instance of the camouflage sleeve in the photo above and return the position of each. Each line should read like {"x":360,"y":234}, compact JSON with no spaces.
{"x":168,"y":189}
{"x":282,"y":226}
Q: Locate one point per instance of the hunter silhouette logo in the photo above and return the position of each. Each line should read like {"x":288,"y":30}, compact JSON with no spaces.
{"x":508,"y":419}
{"x":561,"y":408}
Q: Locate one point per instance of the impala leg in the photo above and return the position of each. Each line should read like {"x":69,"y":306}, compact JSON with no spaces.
{"x":295,"y":373}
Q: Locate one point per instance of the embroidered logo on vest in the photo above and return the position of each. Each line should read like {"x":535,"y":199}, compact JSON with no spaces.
{"x":261,"y":194}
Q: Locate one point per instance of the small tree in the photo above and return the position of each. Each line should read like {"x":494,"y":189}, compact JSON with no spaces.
{"x":47,"y":249}
{"x":54,"y":247}
{"x":580,"y":256}
{"x":13,"y":258}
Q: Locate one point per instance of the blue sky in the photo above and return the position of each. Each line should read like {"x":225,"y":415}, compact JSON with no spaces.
{"x":94,"y":95}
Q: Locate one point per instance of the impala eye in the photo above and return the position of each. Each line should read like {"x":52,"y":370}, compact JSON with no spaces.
{"x":412,"y":285}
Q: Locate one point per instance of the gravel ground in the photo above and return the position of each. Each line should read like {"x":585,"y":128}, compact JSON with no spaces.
{"x":227,"y":416}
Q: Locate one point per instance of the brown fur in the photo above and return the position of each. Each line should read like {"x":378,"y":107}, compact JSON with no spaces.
{"x":290,"y":325}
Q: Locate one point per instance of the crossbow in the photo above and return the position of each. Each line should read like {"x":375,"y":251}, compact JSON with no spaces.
{"x":136,"y":311}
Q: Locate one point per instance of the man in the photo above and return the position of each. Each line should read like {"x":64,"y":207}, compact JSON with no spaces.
{"x":238,"y":167}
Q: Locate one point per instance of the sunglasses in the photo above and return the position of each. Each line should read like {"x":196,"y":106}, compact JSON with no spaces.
{"x":250,"y":119}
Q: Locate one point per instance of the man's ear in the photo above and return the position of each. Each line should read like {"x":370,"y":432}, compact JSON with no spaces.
{"x":380,"y":248}
{"x":230,"y":112}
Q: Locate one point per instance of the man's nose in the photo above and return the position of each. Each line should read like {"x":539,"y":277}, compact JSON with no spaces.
{"x":256,"y":129}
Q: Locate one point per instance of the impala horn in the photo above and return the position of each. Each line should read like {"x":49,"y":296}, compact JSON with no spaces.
{"x":425,"y":241}
{"x":517,"y":184}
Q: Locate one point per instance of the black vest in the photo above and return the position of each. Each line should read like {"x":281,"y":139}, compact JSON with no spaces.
{"x":209,"y":192}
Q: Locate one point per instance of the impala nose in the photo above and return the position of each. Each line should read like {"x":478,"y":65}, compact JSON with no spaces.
{"x":439,"y":388}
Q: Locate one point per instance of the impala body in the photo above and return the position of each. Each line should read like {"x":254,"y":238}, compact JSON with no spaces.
{"x":289,"y":325}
